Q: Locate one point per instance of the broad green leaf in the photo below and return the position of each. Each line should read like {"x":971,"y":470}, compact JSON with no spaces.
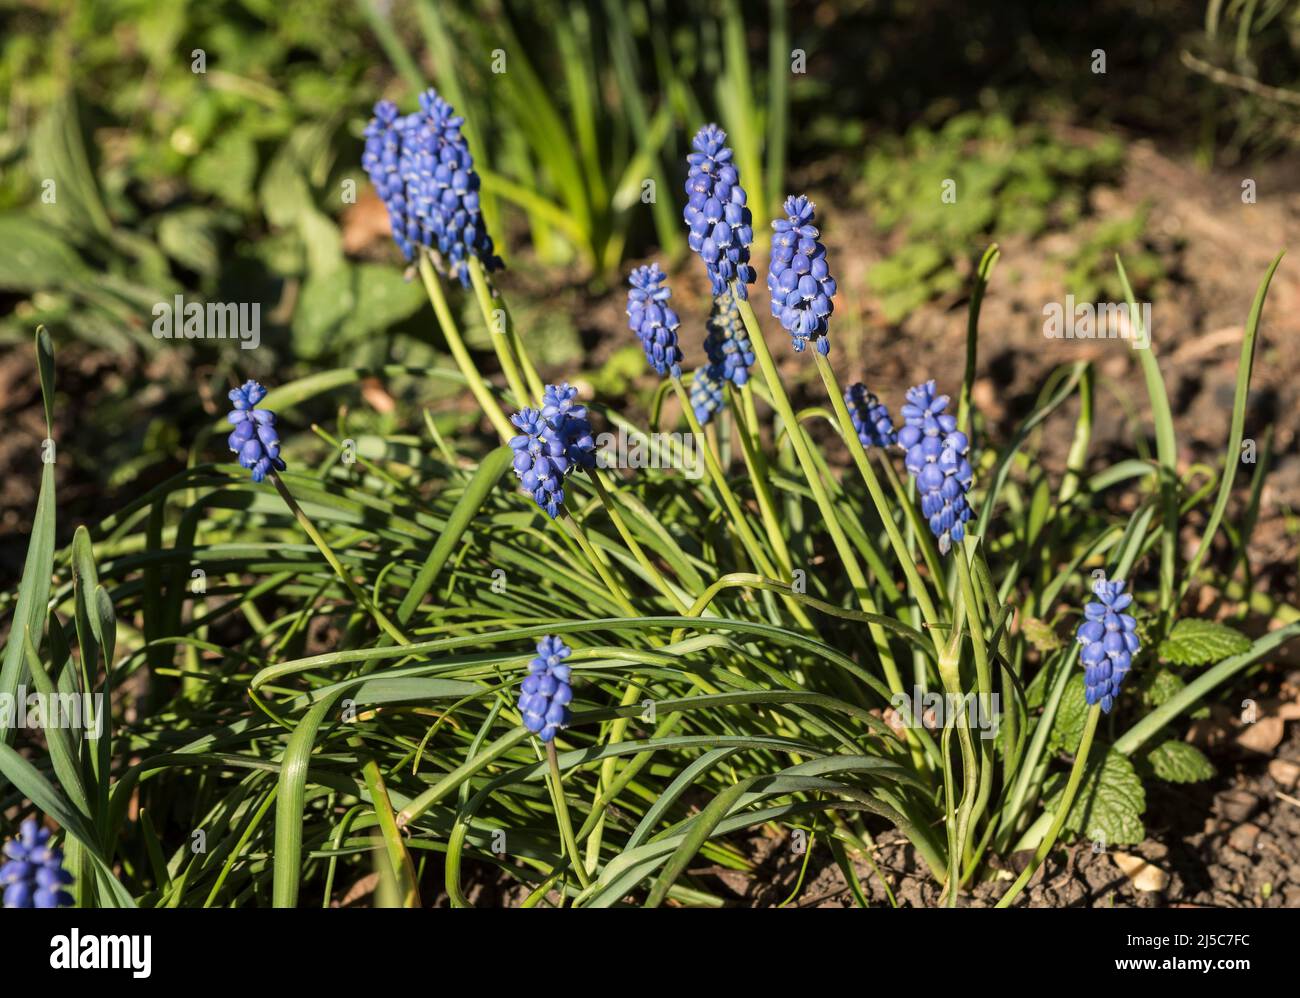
{"x":1041,"y":635}
{"x":1109,"y":804}
{"x":1161,"y":685}
{"x":1179,"y":762}
{"x":1071,"y":716}
{"x":1200,"y":642}
{"x":34,"y":257}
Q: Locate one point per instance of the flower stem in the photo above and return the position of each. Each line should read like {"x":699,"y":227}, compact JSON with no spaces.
{"x":562,"y":817}
{"x":795,"y":431}
{"x":505,"y":344}
{"x":482,"y":393}
{"x":607,"y":500}
{"x":747,"y":538}
{"x":757,"y":465}
{"x":598,"y":563}
{"x":1062,"y":810}
{"x":919,"y":589}
{"x":323,"y":546}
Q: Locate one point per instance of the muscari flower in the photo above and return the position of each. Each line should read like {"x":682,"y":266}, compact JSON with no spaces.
{"x":937,"y":457}
{"x":798,"y":277}
{"x":721,"y":228}
{"x":727,"y":344}
{"x":706,"y":394}
{"x":254,"y":438}
{"x":653,"y":320}
{"x":34,"y":876}
{"x":552,"y":442}
{"x":546,"y":693}
{"x":871,"y":419}
{"x":422,"y":169}
{"x":569,"y":422}
{"x":1109,"y":639}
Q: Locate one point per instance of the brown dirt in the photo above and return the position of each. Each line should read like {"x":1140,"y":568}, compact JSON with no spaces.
{"x":1232,"y":842}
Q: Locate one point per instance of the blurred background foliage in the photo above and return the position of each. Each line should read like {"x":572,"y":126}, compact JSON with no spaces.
{"x":128,"y":177}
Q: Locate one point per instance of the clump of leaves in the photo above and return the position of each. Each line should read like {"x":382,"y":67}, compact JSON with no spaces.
{"x":944,"y":191}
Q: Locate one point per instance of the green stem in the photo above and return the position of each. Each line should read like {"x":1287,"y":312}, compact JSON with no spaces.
{"x":983,"y":676}
{"x":321,"y":545}
{"x":1062,"y":810}
{"x":729,"y":500}
{"x":562,"y":817}
{"x":919,"y":589}
{"x":482,"y":393}
{"x":795,"y":432}
{"x":598,"y":563}
{"x":920,"y":530}
{"x":757,"y":466}
{"x":634,"y":546}
{"x":503,"y":342}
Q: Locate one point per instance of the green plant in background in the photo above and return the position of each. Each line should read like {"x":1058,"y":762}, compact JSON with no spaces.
{"x":1249,"y":53}
{"x":559,"y":116}
{"x":322,"y":709}
{"x":943,"y":192}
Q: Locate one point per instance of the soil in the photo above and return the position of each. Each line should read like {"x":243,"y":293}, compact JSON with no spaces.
{"x":1232,"y":842}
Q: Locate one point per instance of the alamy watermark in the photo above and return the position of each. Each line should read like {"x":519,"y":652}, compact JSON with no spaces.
{"x":931,"y":709}
{"x":1098,"y":321}
{"x":182,"y":320}
{"x":31,"y":710}
{"x":651,"y":450}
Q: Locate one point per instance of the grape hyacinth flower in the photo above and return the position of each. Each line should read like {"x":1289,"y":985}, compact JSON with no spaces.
{"x":546,"y":690}
{"x":706,"y":394}
{"x":33,"y":876}
{"x":569,"y":421}
{"x":552,"y":442}
{"x":653,"y":320}
{"x":422,"y":169}
{"x":798,"y":277}
{"x":254,"y":438}
{"x":727,"y":344}
{"x":539,"y":460}
{"x":721,"y":227}
{"x":937,"y":457}
{"x":1109,"y":639}
{"x":871,"y":419}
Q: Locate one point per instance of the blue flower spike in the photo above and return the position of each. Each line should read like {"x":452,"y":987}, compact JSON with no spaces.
{"x":552,"y":442}
{"x":727,"y":345}
{"x":422,"y":170}
{"x":871,"y":420}
{"x":652,"y":319}
{"x":721,"y":227}
{"x":938,"y":458}
{"x":799,"y":279}
{"x":254,"y":438}
{"x":706,"y":394}
{"x":546,"y":691}
{"x":1109,"y":639}
{"x":33,"y":875}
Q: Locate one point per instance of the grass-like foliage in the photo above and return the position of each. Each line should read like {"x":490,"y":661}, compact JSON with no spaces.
{"x":316,"y":676}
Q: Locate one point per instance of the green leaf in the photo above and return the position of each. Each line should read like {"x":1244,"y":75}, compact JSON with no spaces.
{"x":1161,"y":686}
{"x":383,"y":298}
{"x":1041,"y":634}
{"x":188,"y":237}
{"x":1178,"y":762}
{"x":1109,"y":804}
{"x":1200,"y":642}
{"x":1071,"y":715}
{"x":34,"y":589}
{"x":34,"y":257}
